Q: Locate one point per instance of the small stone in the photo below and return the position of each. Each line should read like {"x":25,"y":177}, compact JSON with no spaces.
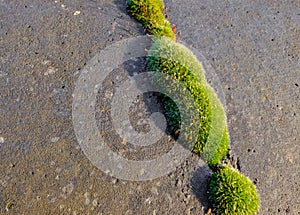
{"x":77,"y":12}
{"x":87,"y":198}
{"x":95,"y":202}
{"x":55,"y":139}
{"x":9,"y":205}
{"x":107,"y":171}
{"x":46,"y":62}
{"x":115,"y":180}
{"x":87,"y":201}
{"x":1,"y":140}
{"x":148,"y":201}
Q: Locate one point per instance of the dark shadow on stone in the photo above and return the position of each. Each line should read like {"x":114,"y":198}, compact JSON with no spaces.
{"x":122,"y":5}
{"x":153,"y":100}
{"x":199,"y":183}
{"x":142,"y":67}
{"x":139,"y":113}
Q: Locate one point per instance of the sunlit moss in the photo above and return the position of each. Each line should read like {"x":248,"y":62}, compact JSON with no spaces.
{"x":232,"y":193}
{"x":151,"y":14}
{"x":176,"y":60}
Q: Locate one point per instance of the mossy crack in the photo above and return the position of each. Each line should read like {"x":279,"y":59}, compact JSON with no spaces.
{"x":230,"y":191}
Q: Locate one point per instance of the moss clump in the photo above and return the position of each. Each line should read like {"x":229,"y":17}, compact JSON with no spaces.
{"x":179,"y":62}
{"x":233,"y":193}
{"x":230,"y":191}
{"x":219,"y":151}
{"x":151,"y":14}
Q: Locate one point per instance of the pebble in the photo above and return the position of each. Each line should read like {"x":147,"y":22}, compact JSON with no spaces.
{"x":9,"y":205}
{"x":107,"y":171}
{"x":148,"y":201}
{"x":87,"y":198}
{"x":115,"y":180}
{"x":95,"y":202}
{"x":46,"y":62}
{"x":55,"y":139}
{"x":1,"y":140}
{"x":77,"y":12}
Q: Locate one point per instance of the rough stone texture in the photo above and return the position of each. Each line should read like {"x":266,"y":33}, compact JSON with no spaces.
{"x":254,"y":48}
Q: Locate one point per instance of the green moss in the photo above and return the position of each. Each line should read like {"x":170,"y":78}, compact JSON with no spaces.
{"x":219,"y":152}
{"x":151,"y":14}
{"x":179,"y":62}
{"x":232,"y":193}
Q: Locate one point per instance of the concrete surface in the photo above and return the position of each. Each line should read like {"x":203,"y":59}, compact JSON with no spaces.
{"x":254,"y":48}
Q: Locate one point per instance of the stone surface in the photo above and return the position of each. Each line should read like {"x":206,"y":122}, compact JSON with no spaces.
{"x":254,"y":49}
